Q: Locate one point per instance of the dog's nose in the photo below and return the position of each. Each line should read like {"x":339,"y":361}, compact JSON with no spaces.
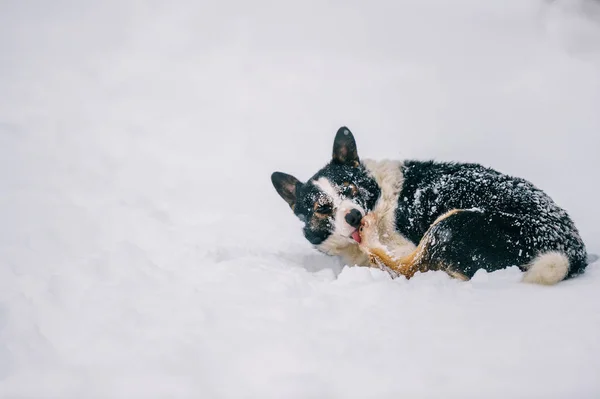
{"x":353,"y":218}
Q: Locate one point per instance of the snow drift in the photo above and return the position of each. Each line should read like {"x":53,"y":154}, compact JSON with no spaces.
{"x":144,"y":253}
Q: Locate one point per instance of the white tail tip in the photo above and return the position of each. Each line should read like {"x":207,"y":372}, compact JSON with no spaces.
{"x":547,"y":269}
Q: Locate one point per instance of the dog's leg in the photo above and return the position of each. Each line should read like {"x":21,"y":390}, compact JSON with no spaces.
{"x":425,"y":256}
{"x":380,"y":256}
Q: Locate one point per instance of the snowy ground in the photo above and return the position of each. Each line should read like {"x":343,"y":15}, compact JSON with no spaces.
{"x":145,"y":254}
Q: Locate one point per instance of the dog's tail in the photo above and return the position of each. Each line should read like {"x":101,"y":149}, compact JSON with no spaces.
{"x":547,"y":269}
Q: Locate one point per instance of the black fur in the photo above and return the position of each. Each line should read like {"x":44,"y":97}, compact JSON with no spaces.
{"x":513,"y":221}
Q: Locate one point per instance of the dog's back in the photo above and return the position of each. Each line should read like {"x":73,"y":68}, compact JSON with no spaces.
{"x":531,"y":222}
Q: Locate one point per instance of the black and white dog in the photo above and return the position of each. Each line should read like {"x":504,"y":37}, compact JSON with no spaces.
{"x":409,"y":216}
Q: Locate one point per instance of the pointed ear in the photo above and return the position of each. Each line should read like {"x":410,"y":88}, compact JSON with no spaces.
{"x":344,"y":148}
{"x":286,"y":187}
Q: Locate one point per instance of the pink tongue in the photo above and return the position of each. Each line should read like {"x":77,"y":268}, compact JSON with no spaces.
{"x":356,"y":236}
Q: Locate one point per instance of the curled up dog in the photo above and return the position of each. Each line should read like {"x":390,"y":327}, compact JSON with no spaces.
{"x":414,"y":216}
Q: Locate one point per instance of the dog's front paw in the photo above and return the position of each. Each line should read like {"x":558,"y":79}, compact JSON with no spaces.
{"x":368,"y":231}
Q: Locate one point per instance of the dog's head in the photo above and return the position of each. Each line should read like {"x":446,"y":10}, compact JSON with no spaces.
{"x":332,"y":203}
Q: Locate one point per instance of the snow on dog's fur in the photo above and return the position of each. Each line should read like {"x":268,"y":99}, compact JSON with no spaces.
{"x":414,"y":216}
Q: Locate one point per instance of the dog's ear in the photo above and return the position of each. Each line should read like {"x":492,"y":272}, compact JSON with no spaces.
{"x":286,"y":186}
{"x":344,"y":148}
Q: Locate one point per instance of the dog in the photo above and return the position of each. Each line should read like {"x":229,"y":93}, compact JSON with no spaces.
{"x":414,"y":216}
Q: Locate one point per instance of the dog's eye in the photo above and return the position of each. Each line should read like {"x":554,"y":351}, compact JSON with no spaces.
{"x":324,"y":209}
{"x":349,"y":190}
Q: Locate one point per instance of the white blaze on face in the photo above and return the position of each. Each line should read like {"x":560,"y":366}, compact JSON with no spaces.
{"x":341,"y":208}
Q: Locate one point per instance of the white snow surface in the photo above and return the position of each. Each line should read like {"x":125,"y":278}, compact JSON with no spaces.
{"x":145,"y":254}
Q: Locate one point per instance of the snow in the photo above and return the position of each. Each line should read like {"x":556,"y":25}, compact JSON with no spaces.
{"x":145,"y":254}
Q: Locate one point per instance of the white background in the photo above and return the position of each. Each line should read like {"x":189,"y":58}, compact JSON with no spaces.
{"x":144,"y":252}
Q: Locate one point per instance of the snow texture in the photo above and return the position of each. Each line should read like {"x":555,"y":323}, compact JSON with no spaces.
{"x":145,"y":254}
